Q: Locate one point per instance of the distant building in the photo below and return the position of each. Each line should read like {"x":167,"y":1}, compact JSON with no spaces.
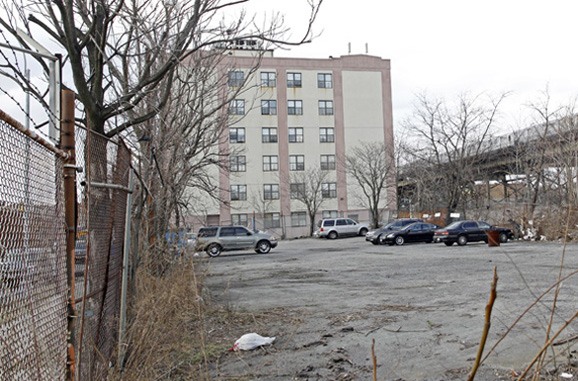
{"x":297,"y":114}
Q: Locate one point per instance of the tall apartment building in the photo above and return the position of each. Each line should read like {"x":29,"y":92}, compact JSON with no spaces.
{"x":296,"y":114}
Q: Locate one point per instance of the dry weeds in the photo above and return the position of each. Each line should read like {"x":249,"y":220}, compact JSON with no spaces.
{"x":175,"y":332}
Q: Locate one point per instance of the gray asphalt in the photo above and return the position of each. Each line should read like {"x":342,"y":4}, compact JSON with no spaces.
{"x":423,"y":304}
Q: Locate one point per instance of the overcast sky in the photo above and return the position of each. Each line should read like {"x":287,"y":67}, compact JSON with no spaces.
{"x":447,"y":47}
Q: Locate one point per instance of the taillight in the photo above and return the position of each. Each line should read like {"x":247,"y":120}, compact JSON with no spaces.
{"x":445,"y":232}
{"x":321,"y":229}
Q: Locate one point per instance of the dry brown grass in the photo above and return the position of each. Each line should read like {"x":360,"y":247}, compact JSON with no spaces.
{"x":175,"y":332}
{"x":166,"y":336}
{"x":164,"y":320}
{"x":553,"y":226}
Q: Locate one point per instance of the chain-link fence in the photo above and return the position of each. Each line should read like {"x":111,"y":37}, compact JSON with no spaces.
{"x":33,"y":313}
{"x":34,"y":338}
{"x":101,"y":195}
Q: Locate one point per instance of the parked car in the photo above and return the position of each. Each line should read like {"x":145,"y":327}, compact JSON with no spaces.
{"x":375,"y":236}
{"x":340,"y":227}
{"x":216,"y":239}
{"x":463,"y":232}
{"x":415,"y":232}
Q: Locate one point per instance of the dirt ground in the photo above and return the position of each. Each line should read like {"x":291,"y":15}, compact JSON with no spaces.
{"x":423,"y":306}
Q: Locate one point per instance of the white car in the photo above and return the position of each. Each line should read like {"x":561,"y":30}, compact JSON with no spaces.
{"x":340,"y":227}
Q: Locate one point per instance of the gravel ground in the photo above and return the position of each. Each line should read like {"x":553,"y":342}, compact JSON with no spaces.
{"x":423,"y":304}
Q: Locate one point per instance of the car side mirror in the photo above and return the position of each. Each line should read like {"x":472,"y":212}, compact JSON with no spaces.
{"x":249,"y":233}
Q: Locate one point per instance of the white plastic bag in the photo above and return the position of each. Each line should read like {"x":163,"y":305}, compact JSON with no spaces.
{"x":251,"y":341}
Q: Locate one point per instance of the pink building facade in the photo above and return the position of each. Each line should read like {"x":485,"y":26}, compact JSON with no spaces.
{"x":296,"y":114}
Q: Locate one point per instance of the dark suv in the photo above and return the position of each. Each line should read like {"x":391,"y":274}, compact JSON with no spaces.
{"x":215,"y":239}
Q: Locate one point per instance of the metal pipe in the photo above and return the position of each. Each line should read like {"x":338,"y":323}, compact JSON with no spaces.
{"x":111,"y":186}
{"x":124,"y":285}
{"x":32,"y":52}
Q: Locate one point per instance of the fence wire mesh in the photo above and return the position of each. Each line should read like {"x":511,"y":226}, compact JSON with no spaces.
{"x":33,"y":268}
{"x":101,"y":197}
{"x":32,"y":260}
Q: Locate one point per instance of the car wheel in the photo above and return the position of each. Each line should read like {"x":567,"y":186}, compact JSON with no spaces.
{"x":264,"y":247}
{"x":462,"y":240}
{"x":332,"y":235}
{"x":376,"y":242}
{"x":503,"y":237}
{"x":363,"y":231}
{"x":214,"y":250}
{"x":448,"y":243}
{"x":399,"y":240}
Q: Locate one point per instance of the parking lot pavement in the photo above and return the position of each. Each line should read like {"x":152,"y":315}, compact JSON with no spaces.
{"x":423,"y":304}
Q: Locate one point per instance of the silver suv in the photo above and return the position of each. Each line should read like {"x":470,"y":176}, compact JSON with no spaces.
{"x":340,"y":227}
{"x":215,"y":239}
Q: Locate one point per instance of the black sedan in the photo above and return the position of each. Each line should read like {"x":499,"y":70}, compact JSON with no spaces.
{"x":416,"y":232}
{"x":376,"y":236}
{"x":463,"y":232}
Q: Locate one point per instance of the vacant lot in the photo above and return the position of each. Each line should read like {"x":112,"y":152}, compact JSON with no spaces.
{"x":423,"y":305}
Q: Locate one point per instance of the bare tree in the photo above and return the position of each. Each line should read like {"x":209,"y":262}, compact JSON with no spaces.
{"x":180,"y":145}
{"x":537,"y":152}
{"x":452,"y":140}
{"x":120,"y":52}
{"x":372,"y":165}
{"x":565,"y":154}
{"x":306,"y":187}
{"x":126,"y":62}
{"x":260,"y":204}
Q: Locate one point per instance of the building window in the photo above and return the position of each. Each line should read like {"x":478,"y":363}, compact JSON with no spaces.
{"x":329,"y":190}
{"x":271,"y":191}
{"x":295,"y":107}
{"x":326,"y":135}
{"x":237,"y":163}
{"x":268,"y":107}
{"x":270,"y":163}
{"x":327,"y":162}
{"x":236,"y":78}
{"x":325,"y":107}
{"x":298,"y":219}
{"x":237,"y":107}
{"x":269,"y":135}
{"x":238,"y":192}
{"x":295,"y":134}
{"x":239,"y":219}
{"x":324,"y":81}
{"x":329,"y":214}
{"x":237,"y":135}
{"x":297,"y":190}
{"x":296,"y":163}
{"x":268,"y":79}
{"x":293,"y":79}
{"x":271,"y":220}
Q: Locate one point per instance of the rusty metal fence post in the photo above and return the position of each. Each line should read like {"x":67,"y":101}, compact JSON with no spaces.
{"x":68,"y":144}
